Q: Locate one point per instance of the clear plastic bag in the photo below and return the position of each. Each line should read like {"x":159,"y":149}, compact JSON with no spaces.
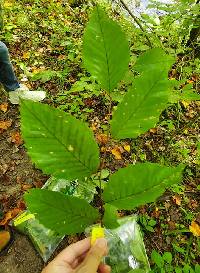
{"x":126,"y":247}
{"x":44,"y":239}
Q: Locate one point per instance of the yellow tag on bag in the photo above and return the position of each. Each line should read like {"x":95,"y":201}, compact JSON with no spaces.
{"x":97,"y":233}
{"x":23,"y":218}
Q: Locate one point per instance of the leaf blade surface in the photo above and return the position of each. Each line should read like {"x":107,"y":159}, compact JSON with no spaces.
{"x":106,"y":51}
{"x":141,"y":106}
{"x":139,"y":184}
{"x":59,"y":212}
{"x":58,"y":143}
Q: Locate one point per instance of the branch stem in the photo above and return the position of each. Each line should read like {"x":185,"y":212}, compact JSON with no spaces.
{"x":104,"y":157}
{"x":137,"y":21}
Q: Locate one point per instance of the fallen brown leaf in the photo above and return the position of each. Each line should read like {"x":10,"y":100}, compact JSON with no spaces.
{"x":94,"y":127}
{"x":172,"y":225}
{"x":21,"y":205}
{"x":16,"y":138}
{"x":185,"y":103}
{"x":167,"y":205}
{"x":156,"y":213}
{"x":104,"y":149}
{"x":117,"y":153}
{"x":198,"y":218}
{"x":102,"y":139}
{"x":26,"y":55}
{"x":4,"y":125}
{"x":177,"y":200}
{"x":61,"y":57}
{"x":4,"y":107}
{"x":153,"y":130}
{"x":9,"y":216}
{"x":38,"y":184}
{"x":26,"y":187}
{"x":195,"y":229}
{"x":3,"y":168}
{"x":193,"y":204}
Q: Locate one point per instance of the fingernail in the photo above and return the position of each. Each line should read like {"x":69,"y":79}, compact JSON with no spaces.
{"x":102,"y":243}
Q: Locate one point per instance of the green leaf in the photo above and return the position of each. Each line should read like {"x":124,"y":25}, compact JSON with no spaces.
{"x":178,"y":270}
{"x":139,"y":184}
{"x":154,"y":58}
{"x":44,"y":76}
{"x":187,"y":95}
{"x":187,"y":269}
{"x":105,"y":173}
{"x":141,"y":106}
{"x":179,"y":249}
{"x":167,"y":256}
{"x":110,"y":217}
{"x":197,"y":268}
{"x":106,"y":52}
{"x":56,"y":211}
{"x":58,"y":143}
{"x":157,"y":259}
{"x":152,"y":222}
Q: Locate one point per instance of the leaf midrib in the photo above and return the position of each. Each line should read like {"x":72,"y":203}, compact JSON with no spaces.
{"x":139,"y":105}
{"x":55,"y":137}
{"x":104,"y":44}
{"x":66,"y":212}
{"x":141,"y":192}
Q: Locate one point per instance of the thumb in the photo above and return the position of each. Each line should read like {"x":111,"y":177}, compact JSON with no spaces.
{"x":94,"y":256}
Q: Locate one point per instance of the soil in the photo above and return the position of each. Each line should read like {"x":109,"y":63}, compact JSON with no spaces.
{"x":16,"y":174}
{"x":21,"y":257}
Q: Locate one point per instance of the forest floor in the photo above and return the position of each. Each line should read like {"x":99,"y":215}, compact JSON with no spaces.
{"x":45,"y":48}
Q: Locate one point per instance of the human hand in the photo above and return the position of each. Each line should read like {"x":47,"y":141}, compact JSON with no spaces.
{"x":80,"y":258}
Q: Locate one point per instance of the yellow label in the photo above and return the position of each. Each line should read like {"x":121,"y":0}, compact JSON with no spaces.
{"x":23,"y":218}
{"x":97,"y":232}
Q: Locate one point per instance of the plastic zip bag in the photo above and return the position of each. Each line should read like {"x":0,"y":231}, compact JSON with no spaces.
{"x":44,"y":239}
{"x":126,"y":247}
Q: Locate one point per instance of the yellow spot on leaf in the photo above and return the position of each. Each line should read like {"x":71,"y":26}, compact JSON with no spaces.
{"x":70,"y":148}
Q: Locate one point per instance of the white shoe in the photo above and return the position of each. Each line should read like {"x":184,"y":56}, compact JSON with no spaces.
{"x":23,"y":93}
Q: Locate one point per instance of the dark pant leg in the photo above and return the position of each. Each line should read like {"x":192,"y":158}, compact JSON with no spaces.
{"x":7,"y":75}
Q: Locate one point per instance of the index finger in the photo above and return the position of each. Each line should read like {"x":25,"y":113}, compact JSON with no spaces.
{"x":72,"y":252}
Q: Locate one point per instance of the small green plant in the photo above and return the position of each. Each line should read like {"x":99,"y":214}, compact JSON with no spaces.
{"x":147,"y":223}
{"x":65,"y":147}
{"x":163,"y":264}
